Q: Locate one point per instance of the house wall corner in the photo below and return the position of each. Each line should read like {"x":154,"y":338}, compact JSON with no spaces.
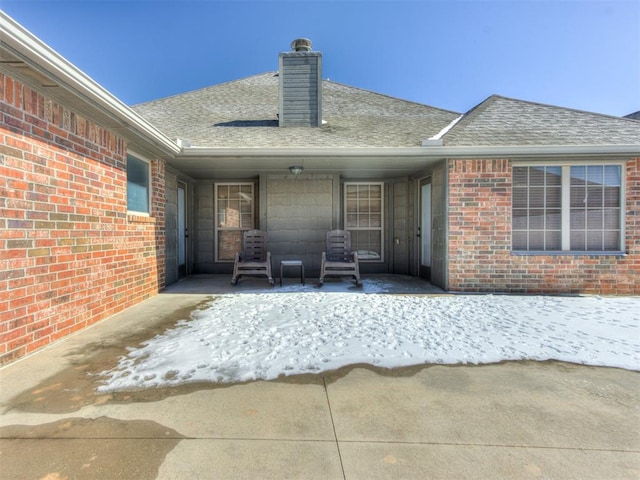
{"x":70,"y":252}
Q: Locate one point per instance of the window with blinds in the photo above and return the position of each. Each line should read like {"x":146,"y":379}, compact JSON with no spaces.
{"x":537,"y":208}
{"x":567,"y":208}
{"x":595,"y":207}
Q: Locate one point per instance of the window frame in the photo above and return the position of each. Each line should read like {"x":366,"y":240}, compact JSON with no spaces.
{"x":149,"y":187}
{"x":565,"y":226}
{"x":381,"y":228}
{"x":217,"y":228}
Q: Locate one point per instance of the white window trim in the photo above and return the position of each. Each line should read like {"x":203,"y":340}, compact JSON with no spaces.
{"x":382,"y":218}
{"x":149,"y":189}
{"x":566,"y":210}
{"x":216,"y":229}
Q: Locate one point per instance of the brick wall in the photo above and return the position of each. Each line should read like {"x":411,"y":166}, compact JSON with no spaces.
{"x":70,"y":255}
{"x":480,"y":257}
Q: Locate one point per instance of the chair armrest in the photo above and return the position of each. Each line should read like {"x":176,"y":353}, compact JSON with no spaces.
{"x":355,"y":256}
{"x":324,"y":256}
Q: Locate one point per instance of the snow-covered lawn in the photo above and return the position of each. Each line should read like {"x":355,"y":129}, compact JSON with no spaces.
{"x":244,"y":337}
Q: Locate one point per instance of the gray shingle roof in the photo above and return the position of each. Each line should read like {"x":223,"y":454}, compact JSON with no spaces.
{"x":500,"y":121}
{"x":243,"y":113}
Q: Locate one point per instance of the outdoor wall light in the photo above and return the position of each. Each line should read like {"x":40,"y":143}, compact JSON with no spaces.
{"x":296,"y":169}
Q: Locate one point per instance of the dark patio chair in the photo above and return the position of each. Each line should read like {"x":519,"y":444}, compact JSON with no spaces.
{"x":254,"y":260}
{"x":338,"y":260}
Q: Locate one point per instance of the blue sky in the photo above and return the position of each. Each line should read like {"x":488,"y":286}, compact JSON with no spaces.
{"x":448,"y":54}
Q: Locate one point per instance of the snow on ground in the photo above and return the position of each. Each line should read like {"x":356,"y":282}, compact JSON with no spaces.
{"x":243,"y":337}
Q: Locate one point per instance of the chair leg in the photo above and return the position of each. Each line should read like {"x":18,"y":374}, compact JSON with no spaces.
{"x":357,"y":274}
{"x":269,"y":274}
{"x":322,"y":272}
{"x":234,"y":278}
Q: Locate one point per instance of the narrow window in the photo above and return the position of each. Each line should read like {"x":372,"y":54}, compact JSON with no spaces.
{"x":138,"y":191}
{"x":567,"y":208}
{"x":364,"y":207}
{"x":234,"y":210}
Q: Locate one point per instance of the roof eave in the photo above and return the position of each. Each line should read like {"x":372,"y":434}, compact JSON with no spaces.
{"x":514,"y":151}
{"x":248,"y":152}
{"x":46,"y":61}
{"x":527,"y":151}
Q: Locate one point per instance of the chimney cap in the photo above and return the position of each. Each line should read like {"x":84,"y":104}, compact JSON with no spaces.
{"x":301,"y":45}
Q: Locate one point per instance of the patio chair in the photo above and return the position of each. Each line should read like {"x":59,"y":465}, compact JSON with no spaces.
{"x":254,"y":259}
{"x":338,"y":259}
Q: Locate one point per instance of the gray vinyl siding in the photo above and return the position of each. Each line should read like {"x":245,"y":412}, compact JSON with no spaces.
{"x":439,"y":226}
{"x":299,"y":212}
{"x":400,"y":238}
{"x":300,"y":89}
{"x":204,"y":246}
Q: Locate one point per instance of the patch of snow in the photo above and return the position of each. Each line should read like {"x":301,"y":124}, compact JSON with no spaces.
{"x":246,"y":337}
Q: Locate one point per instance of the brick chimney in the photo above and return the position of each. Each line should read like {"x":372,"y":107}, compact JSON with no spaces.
{"x":300,"y":86}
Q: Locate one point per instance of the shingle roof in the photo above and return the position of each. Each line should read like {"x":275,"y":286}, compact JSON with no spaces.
{"x":243,"y":113}
{"x":634,"y":115}
{"x":500,"y":121}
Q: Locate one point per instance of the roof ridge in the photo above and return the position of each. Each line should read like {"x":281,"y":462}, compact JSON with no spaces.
{"x":276,"y":72}
{"x":391,"y":96}
{"x":202,"y":89}
{"x":470,"y":114}
{"x":635,"y":116}
{"x":549,"y":105}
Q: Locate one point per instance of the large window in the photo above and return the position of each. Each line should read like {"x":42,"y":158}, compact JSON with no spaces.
{"x":234,"y":206}
{"x":138,"y":190}
{"x":567,"y":208}
{"x":364,"y":209}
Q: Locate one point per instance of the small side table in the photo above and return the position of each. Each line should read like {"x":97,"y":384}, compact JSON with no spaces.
{"x":292,"y":263}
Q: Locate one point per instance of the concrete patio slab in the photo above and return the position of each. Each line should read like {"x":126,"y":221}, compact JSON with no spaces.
{"x":382,"y":461}
{"x":510,"y":420}
{"x":250,"y":459}
{"x":546,"y":405}
{"x":255,"y":411}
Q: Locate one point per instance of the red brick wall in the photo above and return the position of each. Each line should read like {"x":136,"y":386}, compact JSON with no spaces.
{"x":480,"y":257}
{"x":70,"y":255}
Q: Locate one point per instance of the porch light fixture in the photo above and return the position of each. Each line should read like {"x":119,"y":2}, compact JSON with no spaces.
{"x":296,"y":169}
